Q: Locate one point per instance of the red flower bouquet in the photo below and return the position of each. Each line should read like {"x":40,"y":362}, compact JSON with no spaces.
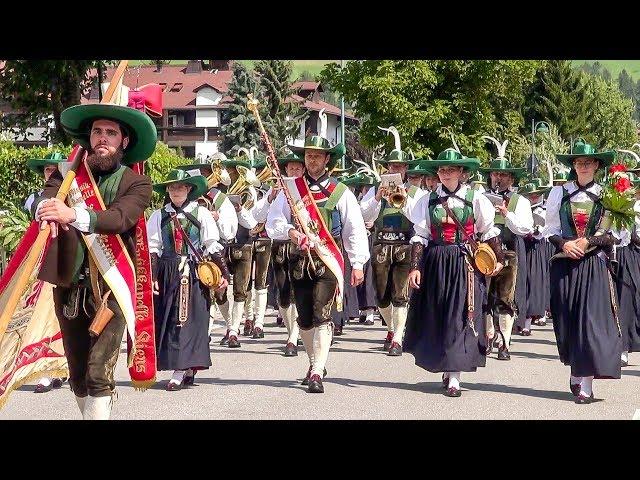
{"x":618,"y":197}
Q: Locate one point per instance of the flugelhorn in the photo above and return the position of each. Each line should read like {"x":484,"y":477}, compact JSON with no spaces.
{"x":218,"y":174}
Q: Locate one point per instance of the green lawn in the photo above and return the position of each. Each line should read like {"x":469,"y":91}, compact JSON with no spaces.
{"x":616,"y":66}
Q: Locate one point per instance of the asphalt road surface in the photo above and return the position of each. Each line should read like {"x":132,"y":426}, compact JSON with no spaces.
{"x":257,"y":382}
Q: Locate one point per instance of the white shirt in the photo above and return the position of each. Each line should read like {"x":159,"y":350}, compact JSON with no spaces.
{"x":261,"y":207}
{"x":483,"y":214}
{"x":227,"y":220}
{"x":520,"y":221}
{"x":371,"y":207}
{"x":354,"y":233}
{"x":209,"y":234}
{"x":29,"y":201}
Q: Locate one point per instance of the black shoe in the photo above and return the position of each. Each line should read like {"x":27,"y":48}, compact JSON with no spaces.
{"x":189,"y":380}
{"x":279,"y":321}
{"x":174,"y":387}
{"x":248,"y":328}
{"x":57,"y":382}
{"x":445,"y":381}
{"x":315,"y":384}
{"x":583,"y":399}
{"x":575,"y":388}
{"x":362,"y":318}
{"x":503,"y":354}
{"x":233,"y":342}
{"x":525,"y":332}
{"x":388,"y":341}
{"x":291,"y":350}
{"x":337,"y":331}
{"x":368,"y":322}
{"x":453,"y":392}
{"x":225,"y":340}
{"x":42,"y":389}
{"x":258,"y":333}
{"x":306,"y":379}
{"x":395,"y":350}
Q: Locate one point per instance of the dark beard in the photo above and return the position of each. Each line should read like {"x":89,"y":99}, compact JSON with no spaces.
{"x":103,"y":164}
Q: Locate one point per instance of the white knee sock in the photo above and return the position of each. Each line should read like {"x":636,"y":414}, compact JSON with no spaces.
{"x":293,"y":322}
{"x":575,"y":380}
{"x":400,"y":319}
{"x":261,"y":307}
{"x":236,"y":316}
{"x":506,"y":325}
{"x":369,"y":314}
{"x":491,"y":331}
{"x":44,"y":381}
{"x":178,"y":376}
{"x":624,"y":356}
{"x":386,"y":313}
{"x":586,"y":386}
{"x":224,"y":311}
{"x":321,"y":345}
{"x":81,"y":401}
{"x":307,"y":341}
{"x":527,"y":323}
{"x":454,"y":380}
{"x":248,"y":305}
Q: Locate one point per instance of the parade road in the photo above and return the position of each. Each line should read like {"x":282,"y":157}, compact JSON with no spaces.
{"x":256,"y":382}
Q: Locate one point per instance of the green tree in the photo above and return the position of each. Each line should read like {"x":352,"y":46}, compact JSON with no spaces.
{"x":239,"y":127}
{"x":626,"y":85}
{"x":41,"y":88}
{"x":611,"y":123}
{"x":282,"y":117}
{"x":426,"y":100}
{"x":559,"y":96}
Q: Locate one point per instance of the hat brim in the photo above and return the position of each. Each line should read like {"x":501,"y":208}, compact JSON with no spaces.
{"x":199,"y":186}
{"x":193,"y":166}
{"x":38,"y":164}
{"x":143,"y":135}
{"x":335,"y":152}
{"x":605,"y":158}
{"x":517,"y":173}
{"x":468,"y":164}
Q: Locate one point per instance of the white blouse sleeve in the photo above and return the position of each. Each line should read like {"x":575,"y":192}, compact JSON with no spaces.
{"x":154,"y":235}
{"x":484,"y":214}
{"x":520,"y":222}
{"x":278,"y":221}
{"x":209,"y":234}
{"x":552,"y":220}
{"x":354,"y":233}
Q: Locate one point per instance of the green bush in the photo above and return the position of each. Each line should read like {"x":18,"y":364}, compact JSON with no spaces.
{"x":17,"y":182}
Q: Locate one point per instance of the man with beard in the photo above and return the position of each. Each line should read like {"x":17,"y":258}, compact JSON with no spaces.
{"x":115,"y":137}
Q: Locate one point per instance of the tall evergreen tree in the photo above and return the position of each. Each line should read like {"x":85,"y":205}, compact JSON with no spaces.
{"x":626,"y":85}
{"x":560,"y":96}
{"x":282,"y":116}
{"x":239,"y":127}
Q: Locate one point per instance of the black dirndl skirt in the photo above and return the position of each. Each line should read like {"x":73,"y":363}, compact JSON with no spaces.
{"x":586,"y":330}
{"x":628,"y":289}
{"x":538,"y":276}
{"x":186,"y":346}
{"x":520,"y":297}
{"x":438,"y":332}
{"x":367,"y":289}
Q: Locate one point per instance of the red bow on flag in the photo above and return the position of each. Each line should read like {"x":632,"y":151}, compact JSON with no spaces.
{"x":147,"y":99}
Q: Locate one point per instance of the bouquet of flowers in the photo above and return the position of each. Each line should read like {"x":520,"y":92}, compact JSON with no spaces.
{"x":619,"y":197}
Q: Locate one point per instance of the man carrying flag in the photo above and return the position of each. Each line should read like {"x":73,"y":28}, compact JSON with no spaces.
{"x":95,"y":249}
{"x":330,"y":216}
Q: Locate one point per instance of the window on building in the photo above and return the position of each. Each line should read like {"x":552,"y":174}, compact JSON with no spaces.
{"x":189,"y":152}
{"x":176,"y":87}
{"x":189,"y":118}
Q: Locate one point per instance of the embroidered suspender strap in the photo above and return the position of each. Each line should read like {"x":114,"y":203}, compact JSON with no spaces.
{"x":472,"y":241}
{"x":470,"y":274}
{"x":178,"y":226}
{"x":614,"y":302}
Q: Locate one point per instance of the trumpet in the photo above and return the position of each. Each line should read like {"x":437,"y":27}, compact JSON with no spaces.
{"x":397,"y":197}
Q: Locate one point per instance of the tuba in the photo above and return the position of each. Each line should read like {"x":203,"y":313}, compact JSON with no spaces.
{"x":218,"y":174}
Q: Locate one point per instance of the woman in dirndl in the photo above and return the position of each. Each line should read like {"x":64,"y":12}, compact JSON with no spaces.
{"x":443,"y":333}
{"x":628,"y":277}
{"x":583,"y":297}
{"x":537,"y":253}
{"x":182,"y":301}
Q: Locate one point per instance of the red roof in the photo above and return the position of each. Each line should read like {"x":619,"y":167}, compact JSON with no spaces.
{"x":170,"y":76}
